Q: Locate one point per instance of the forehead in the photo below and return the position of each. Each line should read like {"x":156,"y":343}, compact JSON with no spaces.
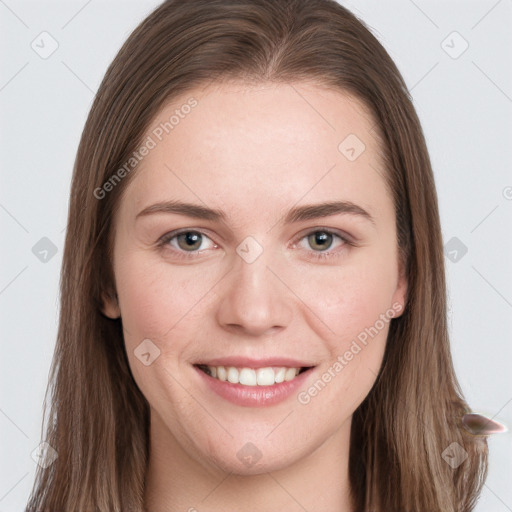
{"x":254,"y":141}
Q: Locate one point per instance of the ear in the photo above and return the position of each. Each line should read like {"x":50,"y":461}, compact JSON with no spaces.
{"x":400,"y":294}
{"x":110,"y":306}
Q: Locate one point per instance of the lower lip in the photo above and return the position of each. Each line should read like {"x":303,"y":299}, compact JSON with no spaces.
{"x":254,"y":396}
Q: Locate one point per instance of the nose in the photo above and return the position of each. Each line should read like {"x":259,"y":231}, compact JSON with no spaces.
{"x":254,"y":299}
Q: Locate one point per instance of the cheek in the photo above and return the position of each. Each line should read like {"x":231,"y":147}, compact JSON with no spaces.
{"x":355,"y":305}
{"x":154,"y":299}
{"x":350,"y":298}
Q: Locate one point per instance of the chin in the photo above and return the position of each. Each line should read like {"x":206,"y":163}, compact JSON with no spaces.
{"x":252,"y":463}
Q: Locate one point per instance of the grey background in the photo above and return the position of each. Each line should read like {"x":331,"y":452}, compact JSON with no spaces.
{"x":464,"y":101}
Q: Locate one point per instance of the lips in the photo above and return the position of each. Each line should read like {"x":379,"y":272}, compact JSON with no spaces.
{"x":250,"y":383}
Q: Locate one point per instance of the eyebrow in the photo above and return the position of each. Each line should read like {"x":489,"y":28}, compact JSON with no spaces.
{"x":297,"y":214}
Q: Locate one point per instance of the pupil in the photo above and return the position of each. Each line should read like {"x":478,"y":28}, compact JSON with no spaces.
{"x":320,"y":237}
{"x":191,"y":238}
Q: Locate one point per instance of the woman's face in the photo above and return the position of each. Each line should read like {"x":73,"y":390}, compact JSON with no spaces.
{"x":257,"y":281}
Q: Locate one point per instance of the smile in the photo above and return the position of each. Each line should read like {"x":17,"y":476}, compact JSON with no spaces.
{"x":267,"y":376}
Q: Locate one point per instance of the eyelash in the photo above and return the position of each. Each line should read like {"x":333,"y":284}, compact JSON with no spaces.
{"x":164,"y":240}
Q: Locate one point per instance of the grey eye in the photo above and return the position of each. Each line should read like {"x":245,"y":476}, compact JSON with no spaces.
{"x":189,"y":240}
{"x":321,"y":240}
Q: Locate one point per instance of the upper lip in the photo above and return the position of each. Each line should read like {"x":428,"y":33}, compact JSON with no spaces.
{"x":246,"y":362}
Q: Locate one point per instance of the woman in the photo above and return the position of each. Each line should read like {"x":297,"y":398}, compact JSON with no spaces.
{"x":253,"y":295}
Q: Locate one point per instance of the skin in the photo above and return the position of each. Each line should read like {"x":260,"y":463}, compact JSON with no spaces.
{"x":255,"y":151}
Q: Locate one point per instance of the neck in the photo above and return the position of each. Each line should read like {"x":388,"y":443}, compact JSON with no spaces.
{"x":177,"y":482}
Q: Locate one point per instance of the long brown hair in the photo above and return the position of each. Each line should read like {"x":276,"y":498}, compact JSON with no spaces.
{"x":98,"y":421}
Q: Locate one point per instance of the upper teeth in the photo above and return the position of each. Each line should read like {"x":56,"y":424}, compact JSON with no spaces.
{"x":252,"y":377}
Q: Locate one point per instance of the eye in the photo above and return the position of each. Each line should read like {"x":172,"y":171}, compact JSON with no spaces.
{"x":321,"y":240}
{"x":185,"y":241}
